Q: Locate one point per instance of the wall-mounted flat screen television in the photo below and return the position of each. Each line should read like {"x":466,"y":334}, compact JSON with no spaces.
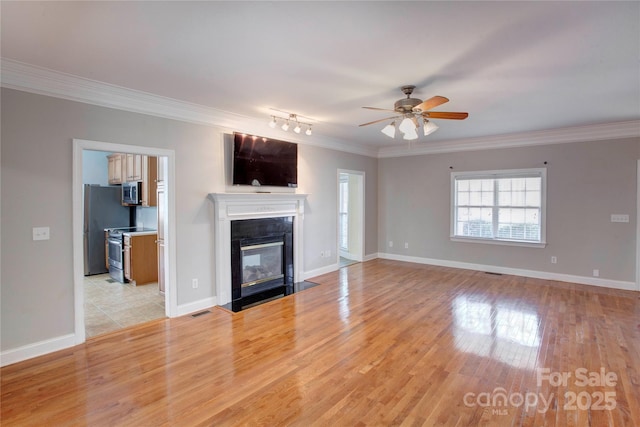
{"x":262,"y":161}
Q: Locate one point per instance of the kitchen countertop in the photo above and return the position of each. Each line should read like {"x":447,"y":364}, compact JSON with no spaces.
{"x":146,"y":232}
{"x":138,"y":231}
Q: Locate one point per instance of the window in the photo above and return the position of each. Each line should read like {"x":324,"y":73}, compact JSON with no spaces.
{"x":499,"y":206}
{"x":344,"y":212}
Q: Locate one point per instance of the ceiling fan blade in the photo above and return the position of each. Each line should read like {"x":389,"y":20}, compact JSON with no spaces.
{"x":431,"y":103}
{"x":379,"y":109}
{"x":445,"y":115}
{"x":378,"y":121}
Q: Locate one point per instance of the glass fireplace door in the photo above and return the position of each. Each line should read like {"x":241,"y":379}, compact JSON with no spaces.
{"x":261,"y":263}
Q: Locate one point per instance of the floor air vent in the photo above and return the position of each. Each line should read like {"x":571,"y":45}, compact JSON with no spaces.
{"x":495,"y":274}
{"x":200,"y":313}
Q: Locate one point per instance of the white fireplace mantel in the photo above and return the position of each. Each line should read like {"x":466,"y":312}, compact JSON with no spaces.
{"x":237,"y":206}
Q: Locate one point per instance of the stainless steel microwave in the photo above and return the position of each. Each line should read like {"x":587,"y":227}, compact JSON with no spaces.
{"x":131,"y":193}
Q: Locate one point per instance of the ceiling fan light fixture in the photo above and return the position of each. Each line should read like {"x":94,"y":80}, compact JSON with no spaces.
{"x":390,"y":129}
{"x":410,"y":135}
{"x":407,"y":126}
{"x":429,"y":127}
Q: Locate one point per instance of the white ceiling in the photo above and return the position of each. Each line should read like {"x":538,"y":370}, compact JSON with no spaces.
{"x":514,"y":66}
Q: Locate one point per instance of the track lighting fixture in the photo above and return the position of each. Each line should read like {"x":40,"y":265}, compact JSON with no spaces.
{"x":291,"y":118}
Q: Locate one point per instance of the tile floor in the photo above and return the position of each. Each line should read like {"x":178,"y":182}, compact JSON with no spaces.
{"x":109,"y":305}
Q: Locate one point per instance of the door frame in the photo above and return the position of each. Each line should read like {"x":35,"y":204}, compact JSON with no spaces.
{"x":638,"y":227}
{"x":171,"y":297}
{"x":359,"y":256}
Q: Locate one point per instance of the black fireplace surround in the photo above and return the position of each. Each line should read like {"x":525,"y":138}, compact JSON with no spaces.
{"x":250,"y":236}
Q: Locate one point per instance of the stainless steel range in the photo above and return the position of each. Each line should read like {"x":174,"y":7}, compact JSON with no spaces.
{"x":116,"y":254}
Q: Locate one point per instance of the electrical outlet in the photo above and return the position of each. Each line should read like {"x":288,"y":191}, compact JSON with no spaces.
{"x":406,"y":245}
{"x":194,"y":283}
{"x":619,"y":218}
{"x":41,"y":233}
{"x":390,"y":243}
{"x":554,"y":260}
{"x":321,"y":254}
{"x":596,"y":273}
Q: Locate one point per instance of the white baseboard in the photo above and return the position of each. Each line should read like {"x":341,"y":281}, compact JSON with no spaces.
{"x":30,"y":351}
{"x":199,"y":305}
{"x":371,"y":257}
{"x":594,"y":281}
{"x":320,"y":271}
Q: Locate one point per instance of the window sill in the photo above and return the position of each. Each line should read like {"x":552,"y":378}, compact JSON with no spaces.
{"x":499,"y":242}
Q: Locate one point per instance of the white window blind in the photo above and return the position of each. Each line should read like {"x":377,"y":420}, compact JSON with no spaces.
{"x":499,"y":206}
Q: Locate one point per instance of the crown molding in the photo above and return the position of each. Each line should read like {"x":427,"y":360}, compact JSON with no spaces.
{"x":43,"y":81}
{"x":598,"y":132}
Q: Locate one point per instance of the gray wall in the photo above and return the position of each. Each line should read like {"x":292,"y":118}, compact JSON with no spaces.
{"x":36,"y":161}
{"x":319,"y":179}
{"x":586,"y":183}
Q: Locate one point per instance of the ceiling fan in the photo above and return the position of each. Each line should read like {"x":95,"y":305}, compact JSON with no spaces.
{"x":410,"y":109}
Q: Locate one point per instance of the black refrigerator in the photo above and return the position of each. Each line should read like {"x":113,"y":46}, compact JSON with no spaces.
{"x":102,"y":209}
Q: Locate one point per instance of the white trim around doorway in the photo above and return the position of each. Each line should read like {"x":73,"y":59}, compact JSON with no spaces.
{"x":171,"y":297}
{"x":638,"y":227}
{"x":358,"y":256}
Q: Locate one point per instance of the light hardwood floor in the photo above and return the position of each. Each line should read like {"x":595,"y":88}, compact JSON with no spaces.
{"x":378,"y":343}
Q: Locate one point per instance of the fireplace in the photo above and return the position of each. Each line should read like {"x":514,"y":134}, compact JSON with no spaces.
{"x":261,"y":263}
{"x":261,"y":260}
{"x":285,"y":239}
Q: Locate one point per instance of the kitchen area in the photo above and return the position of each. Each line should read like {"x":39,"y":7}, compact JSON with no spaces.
{"x":123,"y":240}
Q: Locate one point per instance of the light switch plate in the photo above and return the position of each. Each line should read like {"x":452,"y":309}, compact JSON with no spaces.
{"x":41,"y":233}
{"x":619,"y":218}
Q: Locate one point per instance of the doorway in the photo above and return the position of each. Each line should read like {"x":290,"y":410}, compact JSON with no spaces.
{"x":638,"y":227}
{"x":350,"y":216}
{"x":103,"y":304}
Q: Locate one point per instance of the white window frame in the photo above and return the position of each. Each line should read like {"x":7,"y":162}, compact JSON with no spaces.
{"x":493,"y":174}
{"x":343,"y":214}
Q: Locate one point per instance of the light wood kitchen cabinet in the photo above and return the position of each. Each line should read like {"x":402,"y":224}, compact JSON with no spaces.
{"x":149,"y":181}
{"x":134,"y":167}
{"x":117,"y":164}
{"x":140,"y":258}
